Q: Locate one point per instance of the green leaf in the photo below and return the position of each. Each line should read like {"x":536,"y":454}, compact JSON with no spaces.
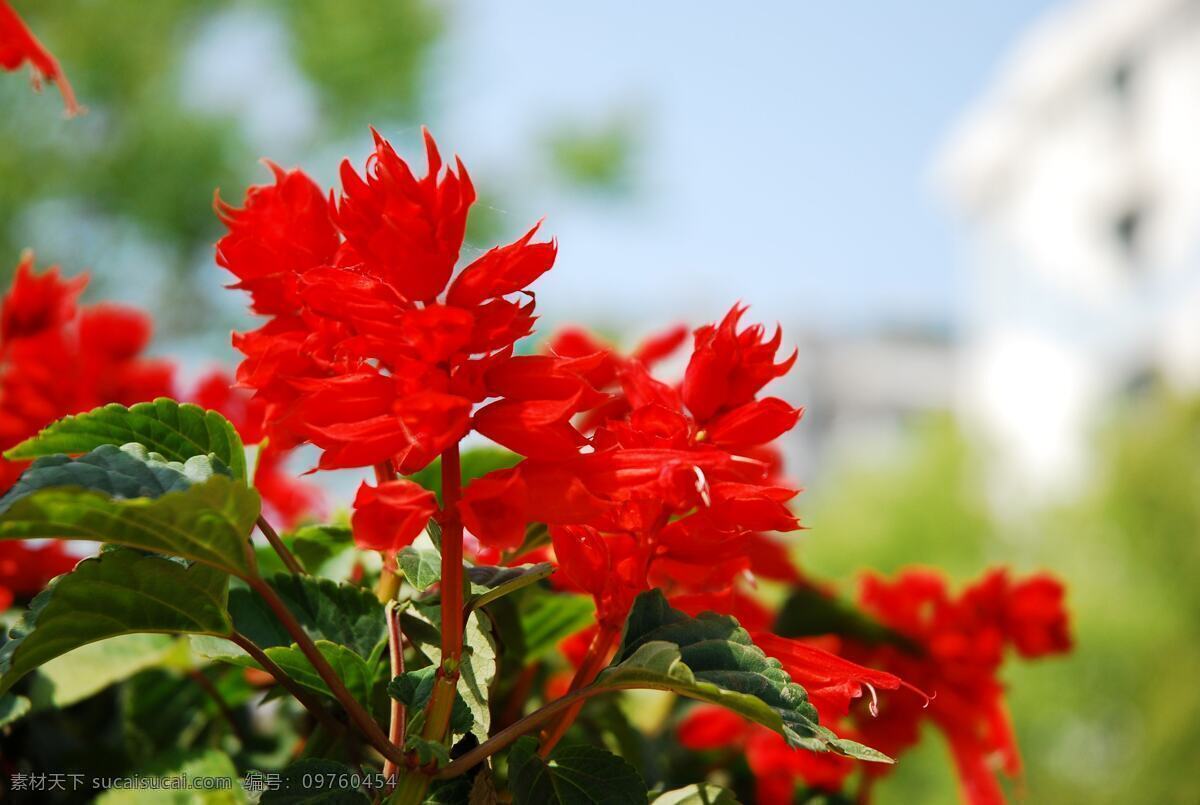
{"x":208,"y":522}
{"x":489,"y":583}
{"x":211,"y":763}
{"x":174,"y":430}
{"x":427,"y":751}
{"x":346,"y":622}
{"x":808,"y":612}
{"x":115,"y":593}
{"x":548,"y":618}
{"x":697,"y":794}
{"x":713,"y":659}
{"x":87,"y":670}
{"x":317,"y":546}
{"x":13,"y":708}
{"x":414,"y":689}
{"x":354,"y":671}
{"x":340,"y":613}
{"x":316,"y":782}
{"x":119,"y":472}
{"x":575,"y":775}
{"x":421,"y":566}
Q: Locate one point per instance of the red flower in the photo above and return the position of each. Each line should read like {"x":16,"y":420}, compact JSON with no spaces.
{"x":390,"y":516}
{"x":369,"y":355}
{"x":18,"y":45}
{"x":962,"y":643}
{"x":57,"y":358}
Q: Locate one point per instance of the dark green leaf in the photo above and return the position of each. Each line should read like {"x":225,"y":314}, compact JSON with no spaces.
{"x":489,"y":583}
{"x":353,"y":670}
{"x":546,"y":619}
{"x":174,"y":430}
{"x":208,"y":522}
{"x":575,"y":775}
{"x":697,"y":794}
{"x":116,"y":593}
{"x":341,"y":613}
{"x":119,"y":472}
{"x":316,"y":782}
{"x":713,"y":659}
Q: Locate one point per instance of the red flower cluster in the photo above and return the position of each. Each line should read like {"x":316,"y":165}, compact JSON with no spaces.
{"x":18,"y":46}
{"x":58,"y":358}
{"x":372,"y":353}
{"x":670,"y":486}
{"x":962,"y":643}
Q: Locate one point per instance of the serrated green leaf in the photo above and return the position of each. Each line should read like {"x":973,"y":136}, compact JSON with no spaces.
{"x":711,"y":658}
{"x":316,"y":782}
{"x":115,"y":593}
{"x":421,"y":567}
{"x":123,"y":472}
{"x":697,"y":794}
{"x":208,"y":522}
{"x":354,"y":671}
{"x":347,"y":622}
{"x":574,"y":775}
{"x":174,"y":430}
{"x":490,"y":583}
{"x":414,"y":690}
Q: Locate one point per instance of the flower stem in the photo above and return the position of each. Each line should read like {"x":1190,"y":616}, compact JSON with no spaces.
{"x":358,"y":714}
{"x":398,"y":715}
{"x":289,"y":560}
{"x":593,"y":661}
{"x":412,"y":787}
{"x":441,"y":702}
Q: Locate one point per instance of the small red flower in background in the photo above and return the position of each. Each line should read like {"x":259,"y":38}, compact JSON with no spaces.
{"x":18,"y":45}
{"x":59,"y":358}
{"x":962,"y":643}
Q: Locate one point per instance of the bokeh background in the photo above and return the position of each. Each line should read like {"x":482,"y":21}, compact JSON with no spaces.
{"x":978,"y":221}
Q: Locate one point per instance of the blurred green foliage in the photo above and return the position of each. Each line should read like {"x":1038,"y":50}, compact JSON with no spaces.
{"x":1118,"y":720}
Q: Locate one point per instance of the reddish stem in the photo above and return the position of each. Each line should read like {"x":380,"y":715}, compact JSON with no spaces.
{"x":441,"y":702}
{"x":593,"y":662}
{"x":396,"y":655}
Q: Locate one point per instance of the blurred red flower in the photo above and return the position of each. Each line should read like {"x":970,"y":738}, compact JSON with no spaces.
{"x":18,"y":46}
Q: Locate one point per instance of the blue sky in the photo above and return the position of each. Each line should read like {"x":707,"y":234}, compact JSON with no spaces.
{"x":787,"y":147}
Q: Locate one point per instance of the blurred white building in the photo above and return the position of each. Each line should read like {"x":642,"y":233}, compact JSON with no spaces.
{"x":1078,"y":174}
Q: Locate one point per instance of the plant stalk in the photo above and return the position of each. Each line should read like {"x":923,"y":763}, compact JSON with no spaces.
{"x":358,"y":715}
{"x":289,"y":560}
{"x":300,"y":694}
{"x":593,"y":662}
{"x":398,"y":714}
{"x":389,"y":580}
{"x":441,"y":701}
